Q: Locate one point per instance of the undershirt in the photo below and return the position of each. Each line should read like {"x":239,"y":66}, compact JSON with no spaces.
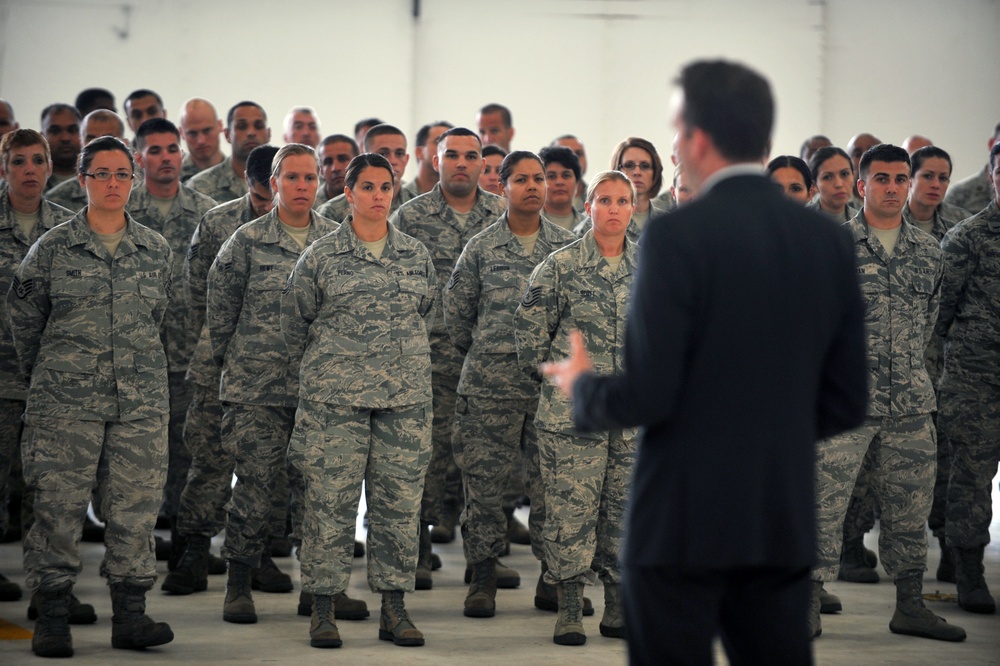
{"x":528,"y":242}
{"x":27,"y":221}
{"x":162,"y":205}
{"x":111,"y":241}
{"x":887,"y":237}
{"x":564,"y":221}
{"x":299,"y":234}
{"x":376,"y":247}
{"x":641,"y":218}
{"x":614,"y":261}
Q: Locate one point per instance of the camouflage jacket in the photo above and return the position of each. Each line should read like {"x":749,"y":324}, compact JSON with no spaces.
{"x":973,"y":193}
{"x":430,"y":220}
{"x":179,"y":337}
{"x":219,"y":182}
{"x":337,"y":208}
{"x":70,"y":195}
{"x":86,"y":327}
{"x":13,"y":247}
{"x":969,"y":318}
{"x":244,"y":308}
{"x":945,"y":217}
{"x":215,"y":228}
{"x":901,"y":294}
{"x":357,"y":327}
{"x":479,"y":304}
{"x":573,"y":288}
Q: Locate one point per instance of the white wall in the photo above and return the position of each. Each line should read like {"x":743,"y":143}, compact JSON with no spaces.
{"x":599,"y":68}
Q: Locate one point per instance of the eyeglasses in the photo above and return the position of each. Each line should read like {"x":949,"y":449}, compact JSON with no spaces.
{"x":105,"y":176}
{"x":630,"y":166}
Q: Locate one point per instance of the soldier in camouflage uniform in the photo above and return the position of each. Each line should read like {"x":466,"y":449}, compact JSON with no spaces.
{"x":258,"y":388}
{"x":390,"y":143}
{"x":335,"y":153}
{"x":201,"y":127}
{"x":583,"y":286}
{"x":356,"y":315}
{"x":85,"y":310}
{"x":975,"y":192}
{"x":496,"y":404}
{"x":562,"y":173}
{"x":101,"y":122}
{"x":444,"y":220}
{"x":246,"y":128}
{"x":899,"y":270}
{"x":207,"y":489}
{"x":24,"y":216}
{"x":969,"y":391}
{"x":173,"y":210}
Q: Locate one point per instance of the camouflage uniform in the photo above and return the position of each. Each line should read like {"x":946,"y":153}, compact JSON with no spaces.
{"x":189,"y":169}
{"x":430,"y":219}
{"x":850,"y":210}
{"x":86,"y":331}
{"x":902,"y":303}
{"x":338,"y":208}
{"x":973,"y":193}
{"x":665,"y":200}
{"x":496,"y":405}
{"x":178,"y":337}
{"x":585,"y":475}
{"x":70,"y":195}
{"x":14,"y":246}
{"x":219,"y":182}
{"x":969,"y":391}
{"x":258,"y":388}
{"x":209,"y":482}
{"x":357,"y":331}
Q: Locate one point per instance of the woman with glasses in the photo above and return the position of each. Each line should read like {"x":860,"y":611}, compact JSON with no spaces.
{"x":85,"y":309}
{"x":833,"y":175}
{"x":638,"y":159}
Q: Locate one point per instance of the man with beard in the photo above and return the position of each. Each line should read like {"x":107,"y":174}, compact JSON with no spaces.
{"x":246,"y":128}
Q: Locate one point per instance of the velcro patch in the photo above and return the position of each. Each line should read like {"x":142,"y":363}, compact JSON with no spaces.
{"x":23,"y":288}
{"x":531,"y":297}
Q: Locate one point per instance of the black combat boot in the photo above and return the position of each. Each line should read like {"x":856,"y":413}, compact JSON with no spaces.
{"x":131,"y":628}
{"x":52,"y":637}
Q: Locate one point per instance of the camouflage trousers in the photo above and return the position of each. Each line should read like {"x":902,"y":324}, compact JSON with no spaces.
{"x":335,"y":448}
{"x":586,"y":486}
{"x":970,"y":424}
{"x":209,"y":483}
{"x":902,"y":476}
{"x":439,"y":486}
{"x":179,"y":458}
{"x":495,"y":442}
{"x":860,"y":517}
{"x":61,"y":458}
{"x":257,"y":438}
{"x":11,"y":425}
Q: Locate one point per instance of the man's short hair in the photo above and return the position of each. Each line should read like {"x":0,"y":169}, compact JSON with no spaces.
{"x":102,"y":115}
{"x":810,"y":140}
{"x":366,"y":122}
{"x":57,"y":107}
{"x":341,"y":138}
{"x":732,"y":104}
{"x":464,"y":131}
{"x":259,"y":165}
{"x":883,"y":152}
{"x":87,"y":98}
{"x":425,"y":131}
{"x":921,"y":155}
{"x":384,"y":129}
{"x":154,"y":126}
{"x":502,"y":110}
{"x":141,"y":92}
{"x":239,"y":105}
{"x":560,"y":155}
{"x":491,"y":149}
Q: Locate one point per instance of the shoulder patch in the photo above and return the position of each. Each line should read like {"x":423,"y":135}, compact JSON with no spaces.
{"x":225,"y":266}
{"x":453,"y":281}
{"x":288,"y":285}
{"x":23,"y":288}
{"x":192,"y":252}
{"x":531,"y":297}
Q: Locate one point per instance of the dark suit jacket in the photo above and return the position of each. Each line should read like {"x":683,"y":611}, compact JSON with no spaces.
{"x":744,"y":346}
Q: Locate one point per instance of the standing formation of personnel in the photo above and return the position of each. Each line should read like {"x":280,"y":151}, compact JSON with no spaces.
{"x":304,"y":320}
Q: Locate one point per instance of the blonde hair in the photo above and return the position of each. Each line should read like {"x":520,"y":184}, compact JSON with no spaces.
{"x":606,"y":176}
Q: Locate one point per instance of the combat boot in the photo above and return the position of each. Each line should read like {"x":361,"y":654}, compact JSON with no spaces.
{"x":569,"y":623}
{"x":613,"y":622}
{"x":547,"y":598}
{"x":482,"y":598}
{"x":79,"y":613}
{"x":814,"y":622}
{"x":344,"y":607}
{"x":131,"y":628}
{"x":828,"y":601}
{"x":268,"y":577}
{"x":973,"y":594}
{"x":191,"y":574}
{"x":445,"y":532}
{"x":946,"y":567}
{"x":854,"y":566}
{"x":394,"y":623}
{"x":178,"y":544}
{"x":913,"y":618}
{"x":507,"y":578}
{"x":9,"y":590}
{"x":323,"y":628}
{"x":52,"y":637}
{"x":424,"y":563}
{"x":238,"y":606}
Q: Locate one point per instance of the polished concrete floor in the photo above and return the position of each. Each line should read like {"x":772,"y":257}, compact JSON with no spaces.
{"x":519,"y":634}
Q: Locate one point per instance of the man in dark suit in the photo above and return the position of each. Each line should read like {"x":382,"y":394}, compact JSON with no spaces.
{"x":745,"y":345}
